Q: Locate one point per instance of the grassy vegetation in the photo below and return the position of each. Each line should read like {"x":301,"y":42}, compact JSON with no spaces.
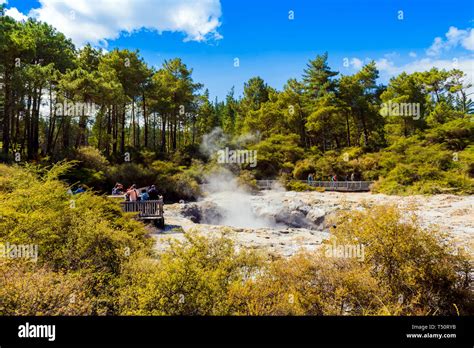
{"x":93,"y":259}
{"x":83,"y":239}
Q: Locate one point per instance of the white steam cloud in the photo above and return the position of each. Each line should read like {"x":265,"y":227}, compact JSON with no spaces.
{"x":233,"y":201}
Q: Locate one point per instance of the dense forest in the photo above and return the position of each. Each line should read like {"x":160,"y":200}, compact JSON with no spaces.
{"x":58,"y":101}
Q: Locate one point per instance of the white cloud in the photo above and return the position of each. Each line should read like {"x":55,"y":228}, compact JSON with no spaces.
{"x":468,"y":41}
{"x":2,"y":2}
{"x":436,"y":47}
{"x":454,"y":37}
{"x":465,"y":64}
{"x":392,"y":55}
{"x":100,"y":20}
{"x":386,"y":65}
{"x":15,"y":14}
{"x":356,"y":63}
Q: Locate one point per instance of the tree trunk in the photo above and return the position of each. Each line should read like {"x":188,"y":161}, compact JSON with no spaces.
{"x":52,"y":122}
{"x":348,"y":131}
{"x":133,"y":122}
{"x":6,"y":115}
{"x":364,"y":128}
{"x":122,"y":140}
{"x":163,"y":133}
{"x":109,"y":131}
{"x":145,"y":119}
{"x":175,"y":129}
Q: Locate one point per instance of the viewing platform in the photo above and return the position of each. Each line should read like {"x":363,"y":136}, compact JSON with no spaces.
{"x":147,"y":210}
{"x":340,"y":186}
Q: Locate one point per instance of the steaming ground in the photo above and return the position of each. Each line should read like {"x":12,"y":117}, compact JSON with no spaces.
{"x":282,"y":223}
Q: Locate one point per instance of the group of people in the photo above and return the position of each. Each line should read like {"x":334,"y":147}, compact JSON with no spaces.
{"x":132,"y":194}
{"x":332,"y":178}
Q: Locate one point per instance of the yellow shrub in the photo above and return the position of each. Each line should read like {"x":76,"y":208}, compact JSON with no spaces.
{"x":26,"y":289}
{"x":308,"y":284}
{"x":192,"y":277}
{"x":416,"y":264}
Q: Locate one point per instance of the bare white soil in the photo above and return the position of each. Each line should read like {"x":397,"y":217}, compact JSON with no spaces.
{"x":302,"y":217}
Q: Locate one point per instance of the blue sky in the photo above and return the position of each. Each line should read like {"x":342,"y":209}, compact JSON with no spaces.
{"x":267,"y":43}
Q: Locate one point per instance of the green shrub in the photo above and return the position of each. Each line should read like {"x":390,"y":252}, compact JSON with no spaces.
{"x":192,"y":277}
{"x":81,"y":233}
{"x":129,"y":174}
{"x":456,"y":134}
{"x":183,"y":186}
{"x":90,"y":157}
{"x":299,"y":186}
{"x":247,"y":179}
{"x":411,"y":166}
{"x":274,"y":153}
{"x":304,"y":167}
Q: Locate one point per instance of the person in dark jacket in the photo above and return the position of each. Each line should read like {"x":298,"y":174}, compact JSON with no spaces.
{"x":153,"y":194}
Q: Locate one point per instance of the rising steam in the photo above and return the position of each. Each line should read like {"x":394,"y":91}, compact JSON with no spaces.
{"x":233,"y":201}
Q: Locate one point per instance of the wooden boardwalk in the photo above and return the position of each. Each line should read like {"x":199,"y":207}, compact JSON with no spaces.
{"x":147,"y":210}
{"x":340,"y":186}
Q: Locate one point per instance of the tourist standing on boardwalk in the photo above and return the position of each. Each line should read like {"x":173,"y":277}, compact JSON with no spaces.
{"x":132,"y":193}
{"x":153,"y":193}
{"x":117,"y":190}
{"x":144,"y":196}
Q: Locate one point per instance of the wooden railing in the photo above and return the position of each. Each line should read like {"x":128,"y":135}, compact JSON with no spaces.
{"x":342,"y":185}
{"x":144,"y":208}
{"x":347,"y":186}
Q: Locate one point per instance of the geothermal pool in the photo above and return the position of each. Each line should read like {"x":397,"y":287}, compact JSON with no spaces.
{"x":282,"y":222}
